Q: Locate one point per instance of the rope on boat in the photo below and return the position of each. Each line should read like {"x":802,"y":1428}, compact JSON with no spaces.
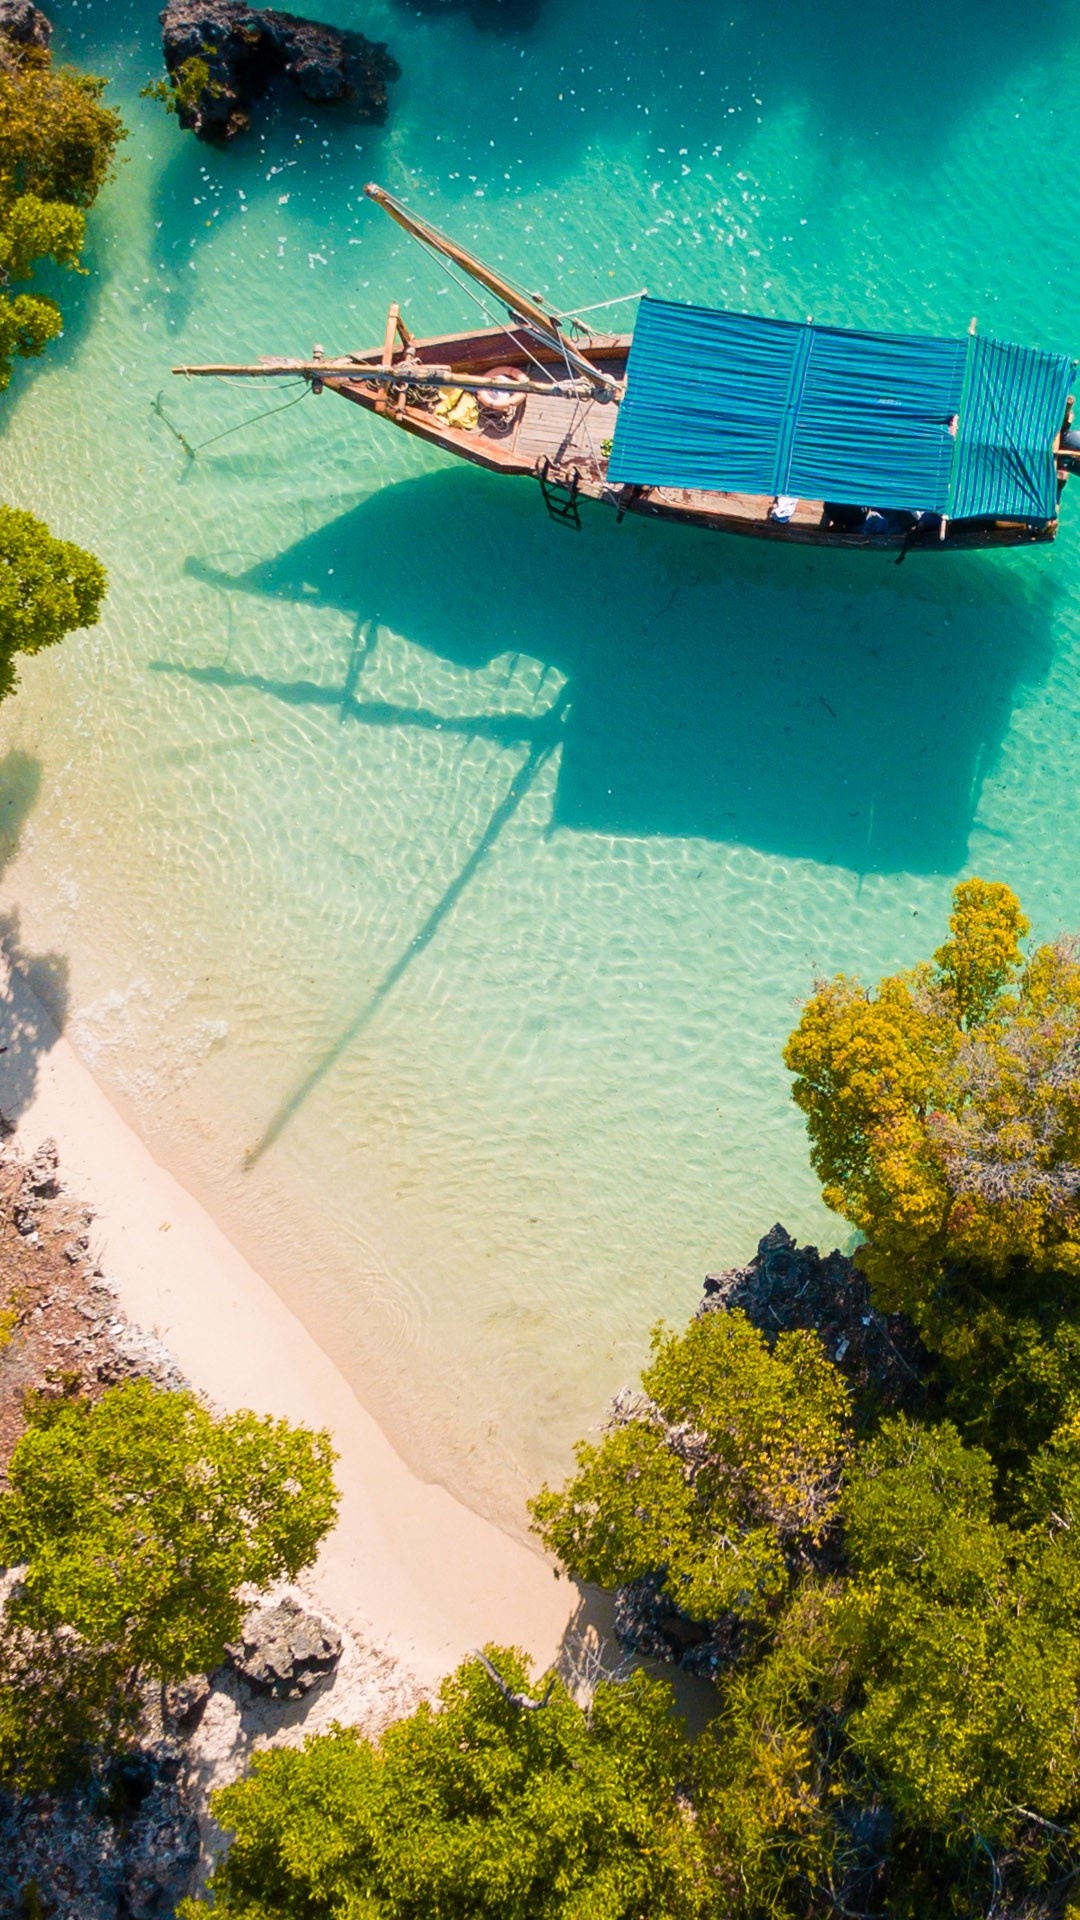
{"x":191,"y":451}
{"x":512,"y":333}
{"x":620,"y":300}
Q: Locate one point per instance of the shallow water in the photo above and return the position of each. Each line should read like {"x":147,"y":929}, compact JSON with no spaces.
{"x":434,"y":886}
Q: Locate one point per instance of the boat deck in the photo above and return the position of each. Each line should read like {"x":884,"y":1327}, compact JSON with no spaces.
{"x":568,"y":433}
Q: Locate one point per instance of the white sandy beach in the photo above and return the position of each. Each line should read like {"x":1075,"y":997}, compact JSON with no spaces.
{"x":408,"y":1566}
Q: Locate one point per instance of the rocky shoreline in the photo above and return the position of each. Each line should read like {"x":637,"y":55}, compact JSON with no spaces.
{"x":245,"y":49}
{"x":786,"y":1287}
{"x":138,"y":1836}
{"x":25,"y":24}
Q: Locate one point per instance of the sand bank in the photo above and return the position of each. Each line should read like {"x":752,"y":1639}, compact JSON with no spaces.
{"x":421,"y":1574}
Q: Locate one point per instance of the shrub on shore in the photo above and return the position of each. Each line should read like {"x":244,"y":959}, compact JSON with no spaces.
{"x":135,"y":1520}
{"x":57,"y":145}
{"x":723,"y":1474}
{"x":48,"y":588}
{"x":477,"y":1806}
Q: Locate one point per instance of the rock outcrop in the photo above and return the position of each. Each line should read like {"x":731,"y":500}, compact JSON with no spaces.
{"x":783,"y":1287}
{"x":72,"y":1854}
{"x":25,"y":24}
{"x":184,"y":1704}
{"x":126,"y":1844}
{"x":284,"y":1651}
{"x":61,"y":1329}
{"x":160,"y":1851}
{"x":245,"y":48}
{"x":787,"y":1286}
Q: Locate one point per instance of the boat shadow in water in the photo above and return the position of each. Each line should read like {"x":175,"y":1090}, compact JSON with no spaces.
{"x":817,"y":705}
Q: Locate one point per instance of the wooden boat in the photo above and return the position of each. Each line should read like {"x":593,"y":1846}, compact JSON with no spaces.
{"x":726,"y":421}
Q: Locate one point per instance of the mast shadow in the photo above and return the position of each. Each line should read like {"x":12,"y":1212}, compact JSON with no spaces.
{"x":506,"y":729}
{"x":536,"y":735}
{"x":520,"y":784}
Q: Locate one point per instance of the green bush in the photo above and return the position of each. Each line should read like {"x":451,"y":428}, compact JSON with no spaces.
{"x":723,"y":1474}
{"x":181,"y":92}
{"x":57,"y":145}
{"x":963,"y":1636}
{"x":48,"y":587}
{"x":476,"y":1809}
{"x":136,"y":1519}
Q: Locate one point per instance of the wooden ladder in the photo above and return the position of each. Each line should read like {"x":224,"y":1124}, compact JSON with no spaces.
{"x":560,"y":496}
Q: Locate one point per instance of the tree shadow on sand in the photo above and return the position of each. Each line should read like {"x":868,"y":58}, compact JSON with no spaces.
{"x":33,"y":986}
{"x":589,"y":1653}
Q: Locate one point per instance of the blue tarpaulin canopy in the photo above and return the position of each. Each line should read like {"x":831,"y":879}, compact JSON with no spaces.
{"x":734,"y":404}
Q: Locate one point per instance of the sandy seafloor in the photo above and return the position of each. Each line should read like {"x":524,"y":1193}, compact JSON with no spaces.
{"x":432,"y":888}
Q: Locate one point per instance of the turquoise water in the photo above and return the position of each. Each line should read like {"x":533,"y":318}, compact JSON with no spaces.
{"x":433,"y":886}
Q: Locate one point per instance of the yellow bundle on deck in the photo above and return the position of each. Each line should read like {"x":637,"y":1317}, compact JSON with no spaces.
{"x":458,"y":409}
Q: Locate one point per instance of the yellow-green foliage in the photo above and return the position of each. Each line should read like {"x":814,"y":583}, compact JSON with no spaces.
{"x":723,"y":1473}
{"x":57,"y":144}
{"x":962,"y":1633}
{"x":479,"y":1810}
{"x":944,"y":1107}
{"x":9,"y":1320}
{"x":138,"y":1518}
{"x":48,"y":587}
{"x":182,"y":91}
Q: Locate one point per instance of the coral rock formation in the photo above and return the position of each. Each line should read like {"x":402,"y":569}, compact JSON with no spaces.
{"x":25,"y":24}
{"x":284,"y":1651}
{"x":245,"y":48}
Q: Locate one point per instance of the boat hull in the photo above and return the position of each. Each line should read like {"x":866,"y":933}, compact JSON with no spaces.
{"x":563,"y":443}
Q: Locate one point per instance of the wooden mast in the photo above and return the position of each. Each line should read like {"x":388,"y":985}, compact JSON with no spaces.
{"x":402,"y":373}
{"x":521,"y":305}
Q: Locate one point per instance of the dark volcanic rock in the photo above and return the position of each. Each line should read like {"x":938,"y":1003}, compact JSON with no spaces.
{"x":160,"y":1853}
{"x":787,"y":1286}
{"x":185,"y":1702}
{"x":649,"y":1625}
{"x":85,"y":1864}
{"x":24,"y":24}
{"x":43,"y":1172}
{"x":285,"y":1651}
{"x":245,"y":48}
{"x":784,"y":1287}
